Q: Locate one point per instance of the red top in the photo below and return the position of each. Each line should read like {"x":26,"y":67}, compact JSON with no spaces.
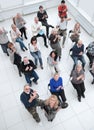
{"x":62,"y":11}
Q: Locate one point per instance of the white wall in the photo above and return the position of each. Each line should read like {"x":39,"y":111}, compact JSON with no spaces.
{"x":23,"y":6}
{"x":87,"y":6}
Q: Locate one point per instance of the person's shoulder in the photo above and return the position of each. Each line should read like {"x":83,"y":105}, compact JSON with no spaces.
{"x":30,"y":60}
{"x":52,"y":79}
{"x":22,"y":94}
{"x":60,"y":78}
{"x":45,"y":11}
{"x":59,"y":6}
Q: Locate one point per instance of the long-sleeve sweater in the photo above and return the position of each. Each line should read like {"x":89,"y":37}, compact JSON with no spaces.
{"x":55,"y":84}
{"x":76,"y":50}
{"x":11,"y":55}
{"x":36,"y":28}
{"x":40,"y":15}
{"x":50,"y":61}
{"x":75,"y":75}
{"x":90,"y":48}
{"x":15,"y":34}
{"x":32,"y":47}
{"x":30,"y":64}
{"x":20,"y":22}
{"x":25,"y":100}
{"x":3,"y":36}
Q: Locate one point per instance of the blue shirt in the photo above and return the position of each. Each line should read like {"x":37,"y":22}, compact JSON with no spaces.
{"x":55,"y":84}
{"x":76,"y":50}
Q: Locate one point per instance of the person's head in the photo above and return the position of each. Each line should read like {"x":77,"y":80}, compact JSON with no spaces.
{"x":25,"y":59}
{"x":36,"y":19}
{"x":62,"y":19}
{"x":79,"y":67}
{"x":79,"y":43}
{"x":13,"y":26}
{"x":62,"y":2}
{"x":53,"y":54}
{"x":77,"y":25}
{"x":56,"y":76}
{"x":27,"y":88}
{"x":52,"y":101}
{"x":18,"y":15}
{"x":11,"y":45}
{"x":1,"y":30}
{"x":33,"y":40}
{"x":41,"y":8}
{"x":54,"y":31}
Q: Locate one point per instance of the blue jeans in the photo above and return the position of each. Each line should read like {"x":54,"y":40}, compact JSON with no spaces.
{"x":20,"y":41}
{"x":37,"y":55}
{"x":75,"y":59}
{"x":29,"y":75}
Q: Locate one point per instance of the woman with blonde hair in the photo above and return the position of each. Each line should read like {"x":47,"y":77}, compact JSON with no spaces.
{"x":51,"y":107}
{"x":75,"y":32}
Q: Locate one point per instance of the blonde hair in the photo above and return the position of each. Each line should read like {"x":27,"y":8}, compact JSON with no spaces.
{"x":52,"y":98}
{"x":54,"y":30}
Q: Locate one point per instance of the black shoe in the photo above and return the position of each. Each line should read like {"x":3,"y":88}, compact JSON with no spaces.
{"x":64,"y":105}
{"x":46,"y":46}
{"x":41,"y":67}
{"x":37,"y":120}
{"x":26,"y":48}
{"x":7,"y":54}
{"x":26,"y":38}
{"x":23,"y":49}
{"x":59,"y":58}
{"x":83,"y":95}
{"x":20,"y":74}
{"x":92,"y":82}
{"x":79,"y":99}
{"x":35,"y":82}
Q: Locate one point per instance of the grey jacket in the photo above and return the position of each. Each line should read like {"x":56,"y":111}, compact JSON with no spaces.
{"x":75,"y":74}
{"x":3,"y":37}
{"x":20,"y":22}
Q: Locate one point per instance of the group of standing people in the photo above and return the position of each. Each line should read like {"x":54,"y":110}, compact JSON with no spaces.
{"x":30,"y":97}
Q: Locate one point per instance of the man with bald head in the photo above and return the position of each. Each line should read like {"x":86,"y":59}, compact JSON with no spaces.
{"x":77,"y":53}
{"x":38,"y":31}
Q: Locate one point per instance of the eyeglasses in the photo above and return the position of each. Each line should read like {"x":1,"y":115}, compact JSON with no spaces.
{"x":27,"y":88}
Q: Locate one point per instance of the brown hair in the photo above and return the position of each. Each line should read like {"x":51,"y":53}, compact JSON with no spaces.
{"x":10,"y":44}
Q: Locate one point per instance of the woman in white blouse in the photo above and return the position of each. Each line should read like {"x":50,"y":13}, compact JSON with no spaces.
{"x":16,"y":37}
{"x":35,"y":51}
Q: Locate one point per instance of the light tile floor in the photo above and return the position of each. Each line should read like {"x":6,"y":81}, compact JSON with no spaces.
{"x":13,"y":115}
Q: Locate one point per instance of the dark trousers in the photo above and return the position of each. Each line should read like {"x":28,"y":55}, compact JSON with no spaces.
{"x":90,"y":57}
{"x":61,"y":94}
{"x":4,"y":47}
{"x":23,"y":31}
{"x":47,"y":27}
{"x":31,"y":74}
{"x":80,"y":88}
{"x":44,"y":37}
{"x":33,"y":110}
{"x":92,"y":74}
{"x":18,"y":67}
